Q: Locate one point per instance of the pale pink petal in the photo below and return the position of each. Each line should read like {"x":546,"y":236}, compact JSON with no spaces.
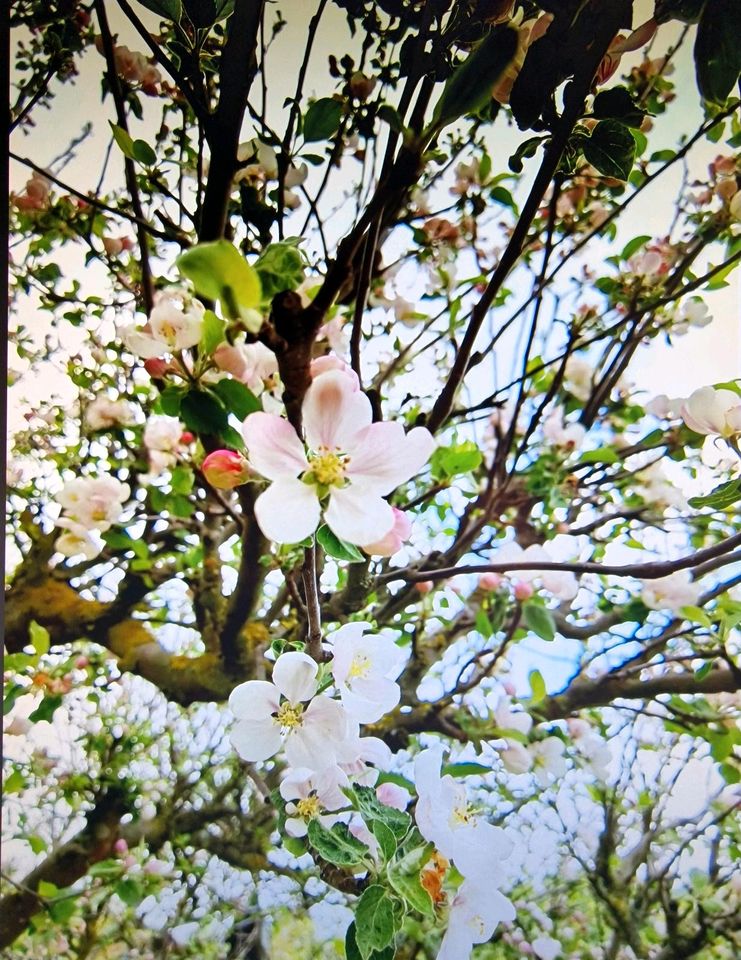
{"x":296,"y":827}
{"x":384,"y":456}
{"x":288,"y":511}
{"x":314,"y":743}
{"x":256,"y":740}
{"x":274,"y":447}
{"x":358,"y":515}
{"x":294,"y":674}
{"x":254,"y":700}
{"x":334,"y":411}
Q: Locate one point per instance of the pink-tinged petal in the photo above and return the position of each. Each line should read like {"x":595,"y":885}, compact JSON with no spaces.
{"x":358,"y":515}
{"x":334,"y":411}
{"x":254,"y":700}
{"x":296,"y":784}
{"x":273,"y":446}
{"x":384,"y":456}
{"x":294,"y":674}
{"x":256,"y":740}
{"x":288,"y":511}
{"x":314,"y":743}
{"x":394,"y":539}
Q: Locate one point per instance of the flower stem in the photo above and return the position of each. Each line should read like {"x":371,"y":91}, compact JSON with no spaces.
{"x":313,"y":611}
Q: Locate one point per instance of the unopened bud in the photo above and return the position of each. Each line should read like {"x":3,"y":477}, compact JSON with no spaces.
{"x":424,"y":586}
{"x":156,"y":367}
{"x":523,"y":590}
{"x":361,"y":86}
{"x":490,"y":581}
{"x":226,"y":469}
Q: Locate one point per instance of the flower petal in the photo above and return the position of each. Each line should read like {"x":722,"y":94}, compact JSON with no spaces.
{"x":274,"y":447}
{"x":384,"y":456}
{"x":294,"y":674}
{"x":254,"y":700}
{"x":256,"y":740}
{"x":358,"y":515}
{"x":334,"y":411}
{"x":288,"y":511}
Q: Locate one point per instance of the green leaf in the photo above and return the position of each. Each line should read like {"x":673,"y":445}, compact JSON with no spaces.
{"x":528,"y":148}
{"x":170,"y":400}
{"x":465,"y":769}
{"x":218,"y":271}
{"x":322,"y":119}
{"x":62,"y":910}
{"x":600,"y":455}
{"x":371,"y":808}
{"x":611,"y":149}
{"x":632,"y":246}
{"x":375,"y":921}
{"x":704,"y":670}
{"x":720,"y":497}
{"x":539,"y":620}
{"x":385,"y":837}
{"x":409,"y":886}
{"x":237,"y":398}
{"x":170,"y":9}
{"x":454,"y":460}
{"x":617,"y":104}
{"x":202,"y":412}
{"x":129,"y":890}
{"x":353,"y":953}
{"x":337,"y":845}
{"x":12,"y":692}
{"x":281,"y":266}
{"x":36,"y":843}
{"x":537,"y":686}
{"x":718,"y":49}
{"x":39,"y":638}
{"x":123,"y":140}
{"x":46,"y":709}
{"x":339,"y":549}
{"x":143,"y":153}
{"x":14,"y":782}
{"x":468,"y":89}
{"x":696,"y":615}
{"x":182,"y":480}
{"x":213,"y":333}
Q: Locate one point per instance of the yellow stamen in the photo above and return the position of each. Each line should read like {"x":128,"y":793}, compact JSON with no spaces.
{"x":289,"y":715}
{"x":359,"y":667}
{"x":308,"y":808}
{"x":328,"y":469}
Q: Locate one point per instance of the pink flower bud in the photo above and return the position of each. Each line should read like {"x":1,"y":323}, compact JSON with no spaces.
{"x":394,"y":540}
{"x":81,"y":663}
{"x":523,"y":590}
{"x":121,"y":846}
{"x":225,"y":469}
{"x":509,"y":688}
{"x":187,"y":437}
{"x":424,"y":586}
{"x":490,"y":581}
{"x":156,"y":367}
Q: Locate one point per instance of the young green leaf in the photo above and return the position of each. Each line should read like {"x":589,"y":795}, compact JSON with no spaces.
{"x":375,"y":920}
{"x":218,"y":271}
{"x":539,"y":620}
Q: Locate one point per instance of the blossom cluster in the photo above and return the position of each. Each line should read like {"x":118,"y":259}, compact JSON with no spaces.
{"x":90,"y":504}
{"x":175,"y":323}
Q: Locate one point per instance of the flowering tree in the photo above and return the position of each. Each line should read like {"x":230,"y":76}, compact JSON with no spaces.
{"x":346,"y":457}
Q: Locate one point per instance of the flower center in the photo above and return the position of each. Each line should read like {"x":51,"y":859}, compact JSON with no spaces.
{"x":328,"y":469}
{"x":462,"y":815}
{"x":359,"y":667}
{"x":289,"y":715}
{"x":308,"y":808}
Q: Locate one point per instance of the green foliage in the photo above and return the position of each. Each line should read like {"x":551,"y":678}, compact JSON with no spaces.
{"x":322,"y":119}
{"x":611,"y":149}
{"x":337,"y":845}
{"x":717,"y":50}
{"x":280,"y":267}
{"x":219,"y":272}
{"x":336,"y":548}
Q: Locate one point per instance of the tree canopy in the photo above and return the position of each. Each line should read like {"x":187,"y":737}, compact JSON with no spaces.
{"x":365,"y":599}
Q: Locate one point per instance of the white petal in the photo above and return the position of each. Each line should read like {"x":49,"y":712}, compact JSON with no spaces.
{"x":294,"y":674}
{"x":358,"y":515}
{"x":254,"y":700}
{"x":288,"y":511}
{"x":334,"y":411}
{"x":296,"y":827}
{"x":384,"y":456}
{"x":256,"y":740}
{"x":273,"y":446}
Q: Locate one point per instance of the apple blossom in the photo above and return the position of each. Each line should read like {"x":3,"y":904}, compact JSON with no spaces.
{"x":490,"y":581}
{"x":104,"y":413}
{"x":273,"y":715}
{"x":692,"y":313}
{"x":309,"y":795}
{"x":356,"y":754}
{"x":393,"y":795}
{"x":76,"y":540}
{"x":560,"y":433}
{"x":94,"y":502}
{"x":672,"y":592}
{"x":175,"y":323}
{"x":713,"y":412}
{"x":475,"y":912}
{"x":253,"y":364}
{"x":365,"y":668}
{"x":226,"y":469}
{"x":546,"y":948}
{"x":578,"y":374}
{"x":445,"y":818}
{"x":352,"y":463}
{"x":548,"y":760}
{"x":394,"y":539}
{"x":562,"y":584}
{"x":163,"y":433}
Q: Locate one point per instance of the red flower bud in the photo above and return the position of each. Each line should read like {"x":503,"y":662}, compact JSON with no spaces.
{"x":226,"y":469}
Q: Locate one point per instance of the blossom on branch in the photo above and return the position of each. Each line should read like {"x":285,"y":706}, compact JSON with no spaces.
{"x":351,"y":464}
{"x":365,"y":668}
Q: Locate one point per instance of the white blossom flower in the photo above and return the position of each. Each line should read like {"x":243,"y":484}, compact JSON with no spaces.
{"x":713,"y":412}
{"x":475,"y":912}
{"x":94,"y":502}
{"x":253,"y":364}
{"x":352,"y":463}
{"x":365,"y":667}
{"x":104,"y":413}
{"x":175,"y":323}
{"x":672,"y":592}
{"x":560,"y":433}
{"x":656,"y":488}
{"x":76,"y":540}
{"x":273,"y":715}
{"x":445,"y":818}
{"x":578,"y":375}
{"x":692,"y":313}
{"x":163,"y":434}
{"x":310,"y":795}
{"x":548,"y":760}
{"x":546,"y":948}
{"x":516,"y":757}
{"x":561,"y":583}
